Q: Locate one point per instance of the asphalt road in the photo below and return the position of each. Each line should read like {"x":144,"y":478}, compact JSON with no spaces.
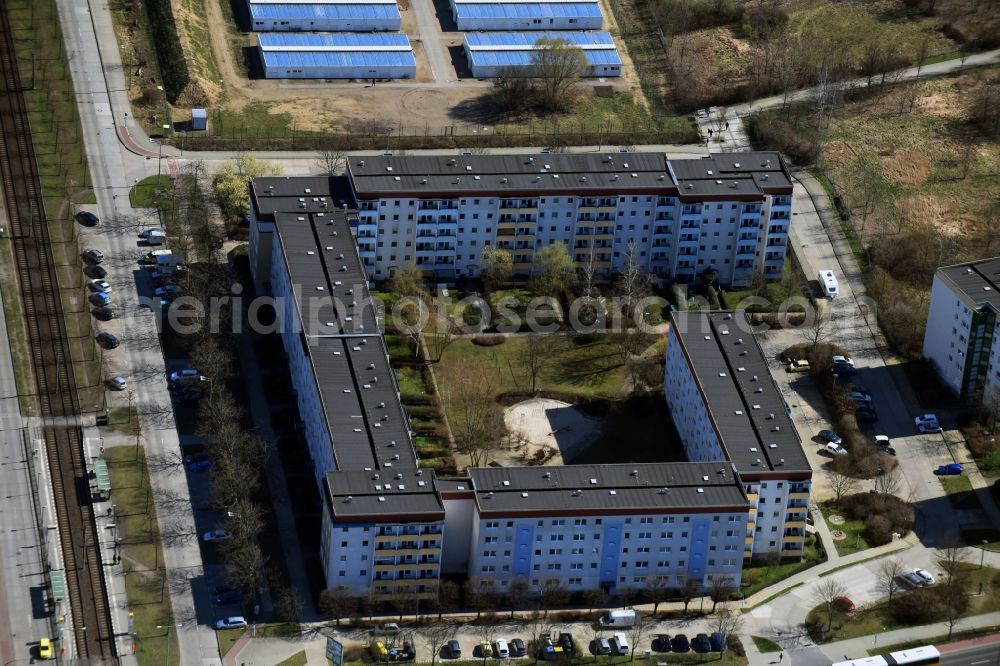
{"x":977,"y":655}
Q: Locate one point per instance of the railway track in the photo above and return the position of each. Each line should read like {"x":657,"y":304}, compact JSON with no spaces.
{"x":88,"y":599}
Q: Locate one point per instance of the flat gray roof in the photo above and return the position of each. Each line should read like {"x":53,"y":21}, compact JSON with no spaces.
{"x":977,"y":281}
{"x":370,"y":495}
{"x":431,"y":175}
{"x":300,"y":194}
{"x":605,"y":489}
{"x":742,"y":399}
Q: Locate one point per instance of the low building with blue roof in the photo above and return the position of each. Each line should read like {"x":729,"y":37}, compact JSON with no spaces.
{"x":323,"y":15}
{"x":490,"y":53}
{"x":473,"y":15}
{"x":339,"y":55}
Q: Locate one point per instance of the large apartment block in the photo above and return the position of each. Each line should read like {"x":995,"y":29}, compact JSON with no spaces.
{"x":729,"y":212}
{"x":391,"y":529}
{"x":726,"y":407}
{"x":962,"y":339}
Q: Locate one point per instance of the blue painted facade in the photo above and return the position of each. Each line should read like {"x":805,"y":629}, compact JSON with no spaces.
{"x":611,"y":548}
{"x":523,"y":542}
{"x":698,"y":550}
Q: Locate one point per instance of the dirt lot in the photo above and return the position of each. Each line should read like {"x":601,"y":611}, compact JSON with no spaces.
{"x":221,"y":60}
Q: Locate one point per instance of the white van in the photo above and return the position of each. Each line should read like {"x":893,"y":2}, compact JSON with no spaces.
{"x":619,"y":644}
{"x":619,"y":618}
{"x":828,"y":282}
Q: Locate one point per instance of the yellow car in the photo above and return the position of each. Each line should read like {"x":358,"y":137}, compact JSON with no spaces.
{"x":45,"y":649}
{"x":485,"y":649}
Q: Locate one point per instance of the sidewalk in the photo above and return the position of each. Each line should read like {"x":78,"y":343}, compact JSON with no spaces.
{"x":858,"y":647}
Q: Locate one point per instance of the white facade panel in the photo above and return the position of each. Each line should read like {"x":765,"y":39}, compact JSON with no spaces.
{"x":946,"y":338}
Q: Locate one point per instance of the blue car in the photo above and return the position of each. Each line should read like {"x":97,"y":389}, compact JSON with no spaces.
{"x":953,"y":469}
{"x":200,"y":465}
{"x":228,"y":597}
{"x":100,"y":298}
{"x":718,"y":642}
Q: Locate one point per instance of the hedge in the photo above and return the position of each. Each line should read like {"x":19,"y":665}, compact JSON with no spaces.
{"x":167,"y":43}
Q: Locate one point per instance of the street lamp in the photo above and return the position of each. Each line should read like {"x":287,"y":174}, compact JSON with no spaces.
{"x":982,"y":553}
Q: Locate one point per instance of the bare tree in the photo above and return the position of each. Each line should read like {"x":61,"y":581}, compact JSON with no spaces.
{"x":245,"y":569}
{"x":826,"y":593}
{"x":331,"y":161}
{"x":448,"y":597}
{"x":842,"y":485}
{"x":595,"y":598}
{"x":657,"y":591}
{"x":689,"y":590}
{"x":535,"y":355}
{"x":728,"y":622}
{"x":636,"y":633}
{"x":477,"y":424}
{"x":338,"y":601}
{"x":512,"y":91}
{"x":721,"y":588}
{"x":481,"y":594}
{"x":556,"y":65}
{"x":551,"y":593}
{"x":888,"y":576}
{"x":818,"y":331}
{"x":889,"y":483}
{"x":437,"y":636}
{"x":518,"y":594}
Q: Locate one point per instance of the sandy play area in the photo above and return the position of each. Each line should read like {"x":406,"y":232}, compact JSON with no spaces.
{"x":558,"y":429}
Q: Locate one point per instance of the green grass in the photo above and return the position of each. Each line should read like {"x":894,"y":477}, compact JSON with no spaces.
{"x":17,"y":334}
{"x":227,"y":639}
{"x":146,"y":584}
{"x":758,"y":576}
{"x":124,"y":419}
{"x":847,"y":566}
{"x":942,"y":57}
{"x":144,"y":194}
{"x":936,"y":640}
{"x":975,"y":538}
{"x":411,"y":381}
{"x":774,"y":596}
{"x":765,"y":645}
{"x":297,"y":659}
{"x":853,"y":542}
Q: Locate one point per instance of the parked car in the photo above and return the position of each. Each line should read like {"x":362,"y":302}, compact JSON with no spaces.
{"x":217,"y":534}
{"x":911,"y":578}
{"x":99,"y":285}
{"x":104,"y":313}
{"x":600,"y":646}
{"x":117,"y":383}
{"x":835,"y":449}
{"x":485,"y":650}
{"x":228,"y":597}
{"x":859,"y":388}
{"x":661,"y":643}
{"x":232,"y":622}
{"x":866,"y":416}
{"x":843,"y":604}
{"x":924,"y":575}
{"x":886,"y":449}
{"x":387,"y":629}
{"x":87,"y":219}
{"x":846,"y":360}
{"x":107,"y":340}
{"x":566,"y":640}
{"x":186,"y":373}
{"x":680,"y":643}
{"x":167,"y":290}
{"x":453,"y":649}
{"x":843,"y":370}
{"x":951,"y":469}
{"x":831,"y":436}
{"x":859,"y":397}
{"x":798,"y":365}
{"x":408,"y":653}
{"x":154,"y":230}
{"x":518,"y":648}
{"x":718,"y":642}
{"x":96,"y":271}
{"x":44,"y":649}
{"x":927,"y":423}
{"x":93,"y":256}
{"x":501,"y":651}
{"x":201,"y":465}
{"x":100,"y":299}
{"x":701,"y":644}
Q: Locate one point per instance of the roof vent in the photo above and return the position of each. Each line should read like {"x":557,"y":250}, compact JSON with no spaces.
{"x":397,"y":178}
{"x":736,"y":165}
{"x":348,"y":499}
{"x":709,"y":172}
{"x":689,"y":186}
{"x":388,"y":168}
{"x":772,"y":446}
{"x":524,"y":494}
{"x":704,"y":478}
{"x":593,"y":482}
{"x":701,"y":490}
{"x":612,"y":492}
{"x":753,"y":449}
{"x":739,"y":412}
{"x":577,"y":493}
{"x":634,"y":472}
{"x":718,"y":182}
{"x":663,"y":491}
{"x":505,"y":483}
{"x":547,"y":475}
{"x":776,"y":428}
{"x":504,"y":179}
{"x":381,"y":499}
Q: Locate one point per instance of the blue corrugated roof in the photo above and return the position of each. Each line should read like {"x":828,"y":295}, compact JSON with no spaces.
{"x":529,"y":10}
{"x":482,"y":55}
{"x":289,"y":12}
{"x":529,"y":38}
{"x":361,"y":40}
{"x":327,"y":59}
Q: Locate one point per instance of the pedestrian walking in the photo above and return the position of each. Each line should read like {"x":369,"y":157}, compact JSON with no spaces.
{"x":727,"y":125}
{"x":781,"y":655}
{"x":710,"y":131}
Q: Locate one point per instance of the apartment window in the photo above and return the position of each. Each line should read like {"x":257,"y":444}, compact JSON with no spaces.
{"x":341,"y":573}
{"x":489,"y":553}
{"x":490,"y":539}
{"x":490,"y":524}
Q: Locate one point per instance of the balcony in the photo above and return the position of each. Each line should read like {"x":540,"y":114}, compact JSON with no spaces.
{"x":438,"y":205}
{"x":798,"y":494}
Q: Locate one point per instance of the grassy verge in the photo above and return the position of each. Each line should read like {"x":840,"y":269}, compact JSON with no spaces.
{"x":147,"y":193}
{"x":124,"y":419}
{"x":936,"y":640}
{"x":297,"y":659}
{"x":142,"y":556}
{"x":942,"y":57}
{"x":773,"y":597}
{"x":955,"y":485}
{"x":228,"y":637}
{"x":758,"y":576}
{"x":852,"y":542}
{"x":61,"y":158}
{"x":976,"y":537}
{"x":765,"y":645}
{"x":17,"y":334}
{"x":848,"y":566}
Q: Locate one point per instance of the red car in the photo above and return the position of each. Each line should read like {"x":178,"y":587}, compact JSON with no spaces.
{"x":843,"y":604}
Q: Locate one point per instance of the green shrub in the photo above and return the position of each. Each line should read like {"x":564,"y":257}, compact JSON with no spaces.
{"x":167,"y":43}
